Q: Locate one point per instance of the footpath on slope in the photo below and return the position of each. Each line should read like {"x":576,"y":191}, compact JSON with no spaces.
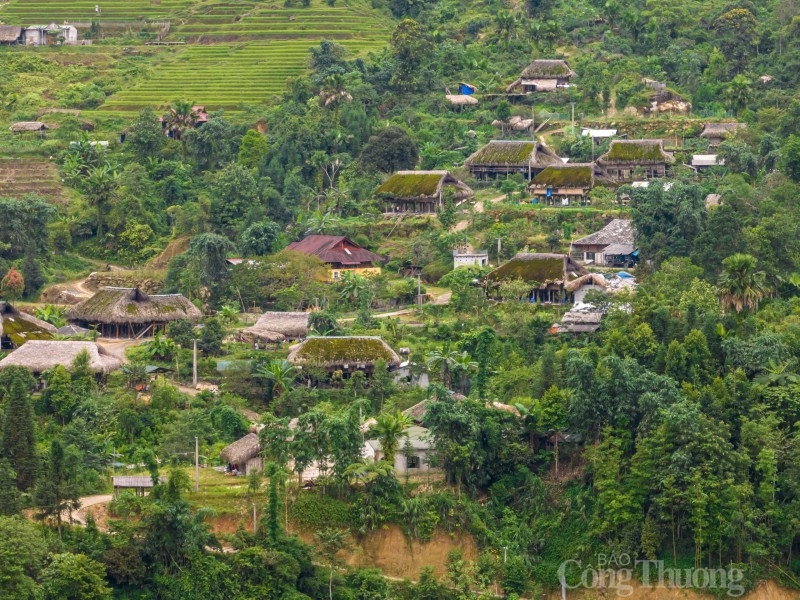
{"x":477,"y":208}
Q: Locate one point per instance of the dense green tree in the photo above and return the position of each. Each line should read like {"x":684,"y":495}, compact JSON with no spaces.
{"x":57,"y":492}
{"x":23,"y":226}
{"x":259,"y":239}
{"x":74,"y":577}
{"x":59,"y":395}
{"x":390,"y":149}
{"x":253,"y":149}
{"x":234,"y":194}
{"x":18,"y":435}
{"x":23,"y":549}
{"x":741,"y":287}
{"x":146,"y":136}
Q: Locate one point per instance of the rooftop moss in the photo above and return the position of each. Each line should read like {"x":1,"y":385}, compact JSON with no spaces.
{"x":504,"y":153}
{"x":577,"y":176}
{"x":547,"y":68}
{"x":338,"y":350}
{"x":531,"y":268}
{"x":20,"y":331}
{"x":410,"y":185}
{"x":635,"y":151}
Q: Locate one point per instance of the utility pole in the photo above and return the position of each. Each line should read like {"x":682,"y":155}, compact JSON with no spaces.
{"x":196,"y":465}
{"x":505,"y":554}
{"x":499,"y":246}
{"x":255,"y":523}
{"x":419,"y":289}
{"x":573,"y":117}
{"x":194,"y":363}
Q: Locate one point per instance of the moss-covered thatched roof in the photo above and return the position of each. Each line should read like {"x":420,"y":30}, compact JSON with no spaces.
{"x":334,"y":351}
{"x":540,"y":269}
{"x":277,"y":326}
{"x":421,"y":184}
{"x":130,"y":305}
{"x":543,"y":69}
{"x":21,"y":327}
{"x":514,"y":153}
{"x":636,"y":151}
{"x":569,"y":176}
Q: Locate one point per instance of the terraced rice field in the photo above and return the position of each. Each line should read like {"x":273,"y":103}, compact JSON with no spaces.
{"x":29,"y":12}
{"x":24,"y":176}
{"x":223,"y":75}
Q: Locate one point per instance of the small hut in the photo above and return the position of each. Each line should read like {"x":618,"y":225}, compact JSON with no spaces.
{"x":140,"y":484}
{"x":585,"y":319}
{"x":568,"y":184}
{"x":420,"y":191}
{"x":10,"y":35}
{"x":613,"y":245}
{"x":273,"y":327}
{"x":504,"y":157}
{"x":17,"y":327}
{"x":243,"y":455}
{"x":39,"y":355}
{"x":585,"y":284}
{"x":129,"y":312}
{"x":461,"y":100}
{"x":627,"y":157}
{"x":29,"y":127}
{"x":542,"y":76}
{"x":716,"y":133}
{"x":548,"y":275}
{"x":344,"y":353}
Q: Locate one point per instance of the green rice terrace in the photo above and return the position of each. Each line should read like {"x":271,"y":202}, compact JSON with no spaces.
{"x":20,"y":176}
{"x":235,"y":53}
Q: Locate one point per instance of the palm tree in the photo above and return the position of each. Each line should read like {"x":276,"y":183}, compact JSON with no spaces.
{"x":737,"y":92}
{"x":329,"y":543}
{"x":389,"y":429}
{"x":367,"y":471}
{"x":100,"y":188}
{"x":333,"y":94}
{"x":281,"y":373}
{"x":444,"y":360}
{"x":354,"y":287}
{"x":531,"y":414}
{"x":741,"y":287}
{"x":320,"y":223}
{"x":506,"y":24}
{"x":181,"y":116}
{"x":778,"y":374}
{"x":464,"y":365}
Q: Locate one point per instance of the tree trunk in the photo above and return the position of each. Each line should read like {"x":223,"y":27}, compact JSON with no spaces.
{"x":330,"y":584}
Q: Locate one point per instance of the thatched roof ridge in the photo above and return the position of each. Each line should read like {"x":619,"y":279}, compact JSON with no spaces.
{"x":636,"y":152}
{"x":21,"y":327}
{"x":514,"y":153}
{"x":41,"y":355}
{"x":538,"y":268}
{"x":571,"y":175}
{"x":274,"y":326}
{"x":721,"y":129}
{"x":461,"y":100}
{"x":617,"y":231}
{"x":24,"y":126}
{"x":242,"y":450}
{"x":547,"y":69}
{"x":113,"y":305}
{"x":588,"y":279}
{"x":422,"y":185}
{"x":10,"y":33}
{"x":332,"y":351}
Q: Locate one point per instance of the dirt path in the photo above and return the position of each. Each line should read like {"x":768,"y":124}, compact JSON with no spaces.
{"x":476,"y":209}
{"x":117,"y":347}
{"x":79,"y":516}
{"x":79,"y":288}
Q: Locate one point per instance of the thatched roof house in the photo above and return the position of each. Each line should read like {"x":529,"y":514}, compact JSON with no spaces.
{"x":140,"y":484}
{"x":507,"y":157}
{"x":625,"y":157}
{"x":16,"y":327}
{"x":412,"y":455}
{"x":548,"y":275}
{"x":278,"y":326}
{"x":10,"y":34}
{"x":40,"y":355}
{"x":129,"y":312}
{"x":604,"y":247}
{"x":242,"y":452}
{"x":542,"y":76}
{"x":716,"y":133}
{"x":568,"y":184}
{"x":585,"y":284}
{"x":344,"y":353}
{"x":584,"y":319}
{"x":28,"y":126}
{"x":421,"y":191}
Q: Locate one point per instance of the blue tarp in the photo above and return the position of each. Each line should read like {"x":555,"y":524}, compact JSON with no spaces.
{"x":624,"y":275}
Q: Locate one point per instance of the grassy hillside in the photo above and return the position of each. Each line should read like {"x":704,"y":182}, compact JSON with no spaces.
{"x":27,"y":12}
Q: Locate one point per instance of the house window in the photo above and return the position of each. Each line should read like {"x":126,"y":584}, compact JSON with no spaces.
{"x":588,"y":256}
{"x":336,"y":274}
{"x":412,"y":462}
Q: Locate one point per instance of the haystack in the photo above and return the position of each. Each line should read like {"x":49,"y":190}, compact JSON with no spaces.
{"x":130,"y":312}
{"x":39,"y":355}
{"x":28,"y":126}
{"x":16,"y":327}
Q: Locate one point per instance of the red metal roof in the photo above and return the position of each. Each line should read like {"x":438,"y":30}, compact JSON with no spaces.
{"x":335,"y":249}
